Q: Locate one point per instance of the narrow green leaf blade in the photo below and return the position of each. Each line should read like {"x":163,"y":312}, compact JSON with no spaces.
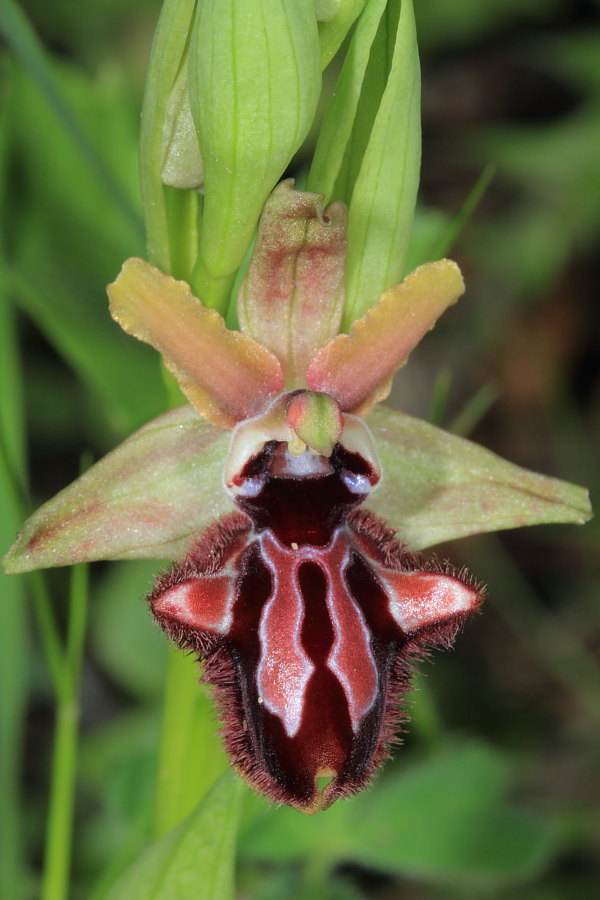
{"x":147,"y":498}
{"x":437,"y":486}
{"x":18,"y":32}
{"x":456,"y":226}
{"x":196,"y":860}
{"x":61,"y":258}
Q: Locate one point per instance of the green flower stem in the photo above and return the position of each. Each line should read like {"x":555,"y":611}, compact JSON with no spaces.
{"x":59,"y":833}
{"x":190,"y":758}
{"x":14,"y":647}
{"x":48,"y":631}
{"x":213,"y":290}
{"x":183,"y":213}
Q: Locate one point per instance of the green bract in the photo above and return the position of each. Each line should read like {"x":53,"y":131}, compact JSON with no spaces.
{"x":369,"y":149}
{"x":231,"y":94}
{"x":333,"y":30}
{"x":170,"y":213}
{"x":255,"y":80}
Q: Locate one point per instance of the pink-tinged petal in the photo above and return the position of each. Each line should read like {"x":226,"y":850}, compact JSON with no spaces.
{"x":356,"y":368}
{"x":437,"y":486}
{"x":292,"y":297}
{"x":147,"y":498}
{"x":226,"y":375}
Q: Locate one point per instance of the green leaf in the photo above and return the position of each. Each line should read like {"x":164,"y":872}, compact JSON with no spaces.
{"x":67,"y":241}
{"x":368,"y":152}
{"x":444,"y":819}
{"x":255,"y":80}
{"x":196,"y":860}
{"x":21,"y":37}
{"x":191,"y":756}
{"x":147,"y":498}
{"x":437,"y":486}
{"x":454,"y":823}
{"x":456,"y":226}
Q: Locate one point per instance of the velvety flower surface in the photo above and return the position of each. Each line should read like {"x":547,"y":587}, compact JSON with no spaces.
{"x":308,"y":613}
{"x":307,"y":608}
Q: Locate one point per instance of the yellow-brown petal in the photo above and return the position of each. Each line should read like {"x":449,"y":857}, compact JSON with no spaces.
{"x":353,"y":368}
{"x":226,"y":375}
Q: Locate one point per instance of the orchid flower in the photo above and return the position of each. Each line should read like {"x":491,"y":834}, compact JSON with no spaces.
{"x":293,"y":503}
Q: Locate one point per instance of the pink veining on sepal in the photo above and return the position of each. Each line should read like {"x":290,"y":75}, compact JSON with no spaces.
{"x":292,"y":297}
{"x":226,"y":375}
{"x":356,"y":368}
{"x":144,"y":499}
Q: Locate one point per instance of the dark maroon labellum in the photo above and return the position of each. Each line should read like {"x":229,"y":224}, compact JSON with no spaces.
{"x":308,"y":615}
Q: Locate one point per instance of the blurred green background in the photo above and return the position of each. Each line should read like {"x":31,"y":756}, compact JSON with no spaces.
{"x":496,"y":791}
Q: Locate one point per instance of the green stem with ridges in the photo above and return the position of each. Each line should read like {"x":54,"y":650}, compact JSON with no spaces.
{"x":59,"y":833}
{"x":14,"y":648}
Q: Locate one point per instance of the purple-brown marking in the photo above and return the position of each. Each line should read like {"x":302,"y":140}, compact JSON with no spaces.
{"x":308,"y":615}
